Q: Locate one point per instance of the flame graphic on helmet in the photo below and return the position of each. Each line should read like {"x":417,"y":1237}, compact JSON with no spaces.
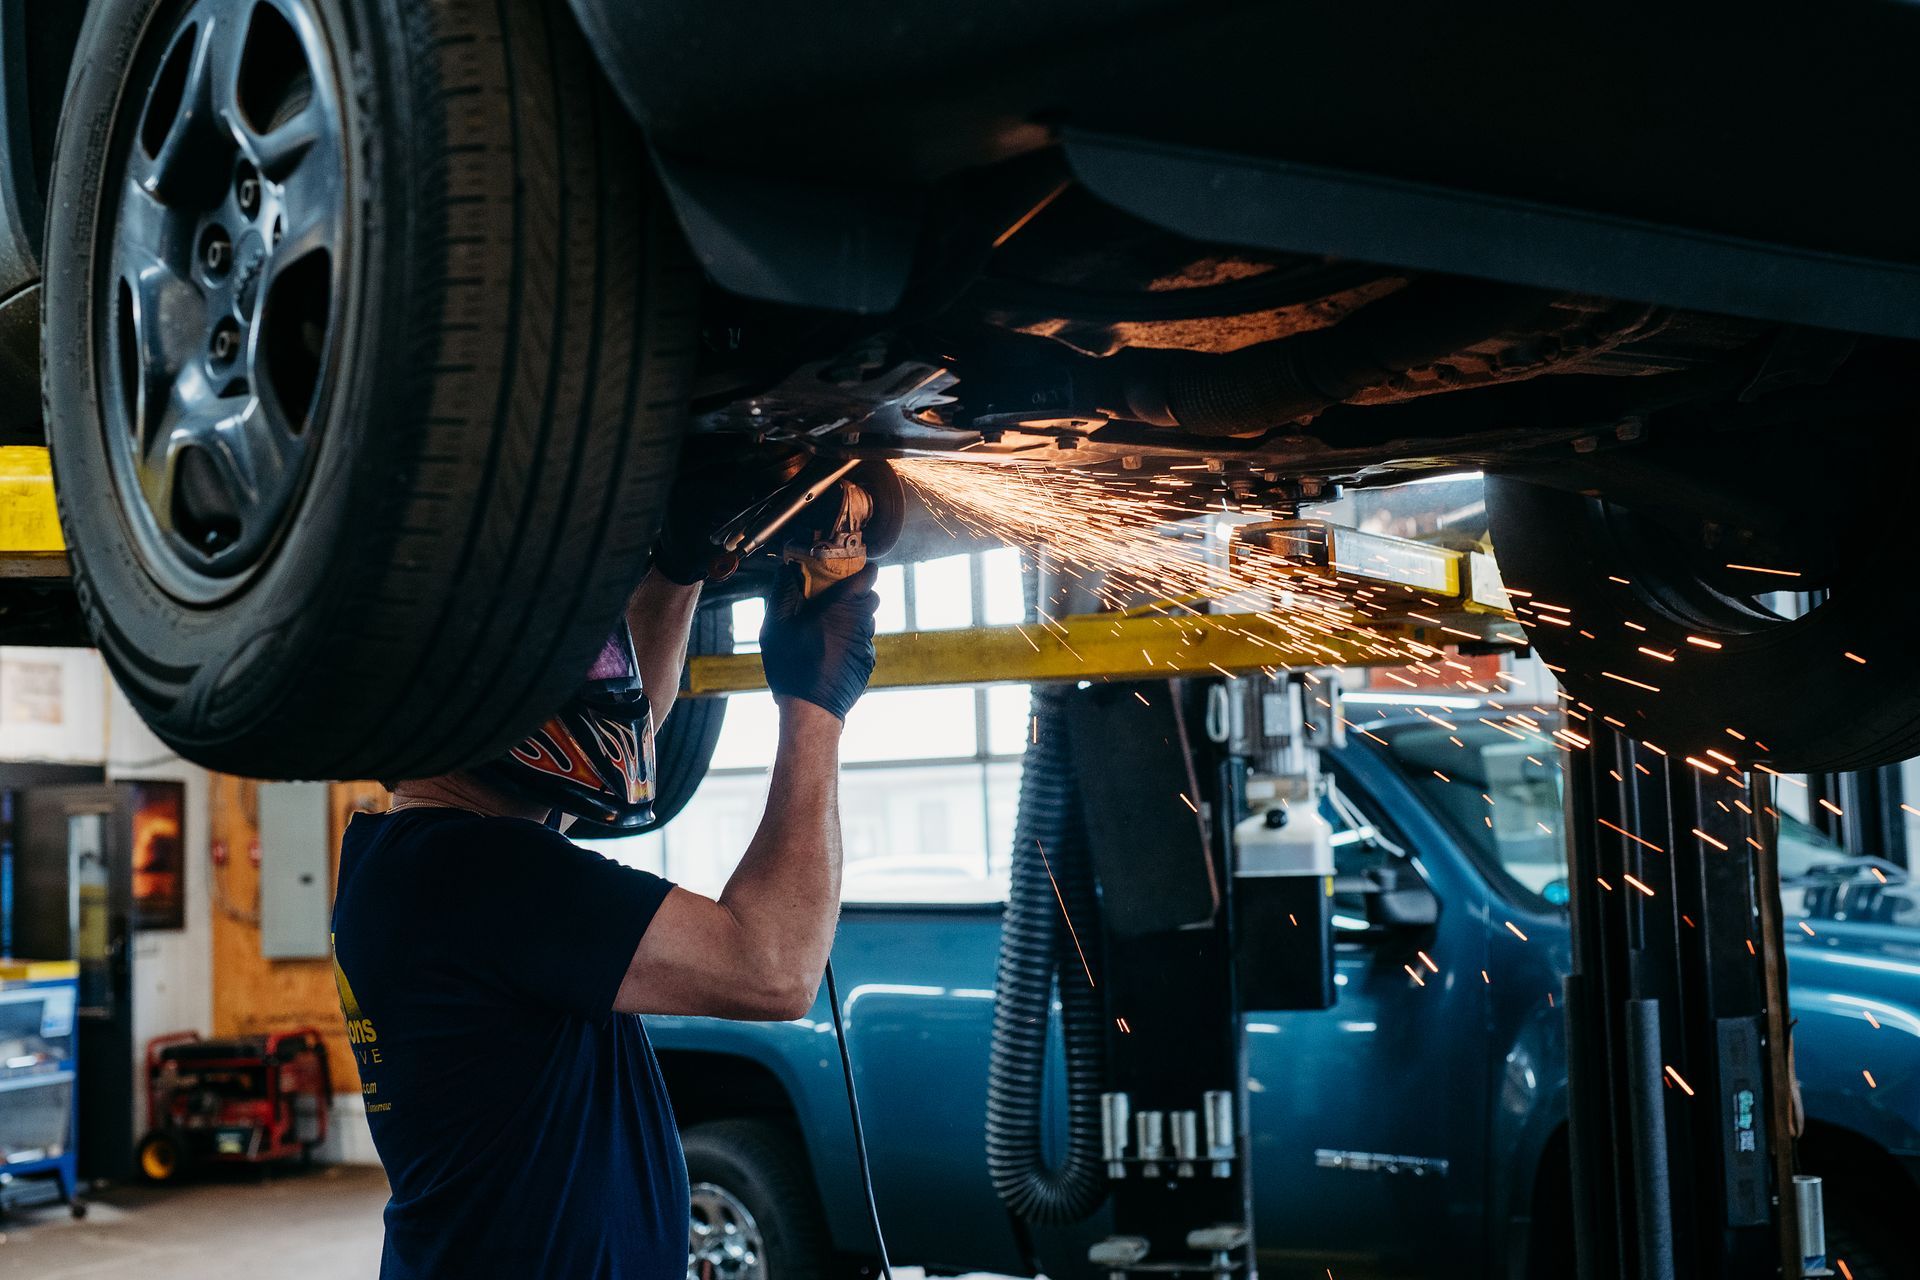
{"x":547,"y":750}
{"x":622,"y":746}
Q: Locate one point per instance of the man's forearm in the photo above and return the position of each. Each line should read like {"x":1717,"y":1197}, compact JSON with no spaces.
{"x":785,"y":894}
{"x":660,"y":615}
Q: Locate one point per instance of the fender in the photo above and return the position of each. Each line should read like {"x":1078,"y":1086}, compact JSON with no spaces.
{"x":1529,"y":1108}
{"x":808,"y":1071}
{"x":1833,"y":1084}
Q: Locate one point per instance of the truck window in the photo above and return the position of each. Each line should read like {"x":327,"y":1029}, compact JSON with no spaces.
{"x":1497,"y":786}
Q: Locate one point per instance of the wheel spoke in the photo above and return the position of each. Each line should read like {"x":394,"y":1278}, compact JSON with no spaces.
{"x":157,"y":315}
{"x":281,"y":150}
{"x":185,"y":163}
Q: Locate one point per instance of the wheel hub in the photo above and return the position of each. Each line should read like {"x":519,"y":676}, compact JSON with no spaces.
{"x":220,"y":259}
{"x":723,"y":1240}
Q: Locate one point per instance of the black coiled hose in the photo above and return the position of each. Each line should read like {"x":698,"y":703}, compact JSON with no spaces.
{"x":1035,"y":945}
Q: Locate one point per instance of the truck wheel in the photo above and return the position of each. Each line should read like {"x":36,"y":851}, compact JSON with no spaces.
{"x":1866,"y":1230}
{"x":1643,"y":623}
{"x":755,"y":1214}
{"x":366,"y":349}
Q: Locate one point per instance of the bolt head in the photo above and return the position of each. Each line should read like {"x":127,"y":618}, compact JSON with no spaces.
{"x":248,"y":192}
{"x":1131,"y":462}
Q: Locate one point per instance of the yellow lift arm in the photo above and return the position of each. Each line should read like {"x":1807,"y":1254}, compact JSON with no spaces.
{"x":1433,"y":597}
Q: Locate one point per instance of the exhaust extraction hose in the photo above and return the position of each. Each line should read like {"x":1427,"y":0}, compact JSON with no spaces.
{"x":1036,"y":946}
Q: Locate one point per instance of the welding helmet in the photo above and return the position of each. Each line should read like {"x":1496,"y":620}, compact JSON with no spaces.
{"x":593,"y":758}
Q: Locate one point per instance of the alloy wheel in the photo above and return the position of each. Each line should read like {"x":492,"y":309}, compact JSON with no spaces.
{"x":222,"y":243}
{"x":723,"y":1240}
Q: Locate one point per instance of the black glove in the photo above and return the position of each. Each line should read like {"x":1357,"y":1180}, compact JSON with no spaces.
{"x":820,"y":650}
{"x":715,"y":484}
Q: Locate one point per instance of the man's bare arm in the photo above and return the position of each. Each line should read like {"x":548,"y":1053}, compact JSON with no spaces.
{"x":757,"y":952}
{"x":660,"y":615}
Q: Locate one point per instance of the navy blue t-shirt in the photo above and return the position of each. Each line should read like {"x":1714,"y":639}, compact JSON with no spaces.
{"x":523,"y":1124}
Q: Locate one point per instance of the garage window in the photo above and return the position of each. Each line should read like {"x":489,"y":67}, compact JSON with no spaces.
{"x":931,"y":777}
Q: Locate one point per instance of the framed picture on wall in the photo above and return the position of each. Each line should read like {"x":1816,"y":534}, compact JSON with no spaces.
{"x":159,"y":855}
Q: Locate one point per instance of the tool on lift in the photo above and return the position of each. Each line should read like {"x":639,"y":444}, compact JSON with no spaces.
{"x":829,"y":520}
{"x":1275,"y":727}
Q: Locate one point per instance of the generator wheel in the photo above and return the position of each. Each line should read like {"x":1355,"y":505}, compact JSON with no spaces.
{"x":162,"y":1157}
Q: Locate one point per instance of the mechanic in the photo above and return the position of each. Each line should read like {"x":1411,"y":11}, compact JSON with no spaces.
{"x":490,"y":970}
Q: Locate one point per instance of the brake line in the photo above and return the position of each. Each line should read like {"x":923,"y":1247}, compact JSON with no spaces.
{"x":853,"y":1110}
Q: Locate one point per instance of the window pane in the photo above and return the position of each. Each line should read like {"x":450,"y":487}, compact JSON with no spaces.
{"x":747,"y":616}
{"x":1009,"y":719}
{"x":1003,"y":805}
{"x":943,"y":593}
{"x":916,"y":834}
{"x":909,"y":724}
{"x":748,"y":733}
{"x":891,"y":587}
{"x":704,"y":843}
{"x":1005,"y":600}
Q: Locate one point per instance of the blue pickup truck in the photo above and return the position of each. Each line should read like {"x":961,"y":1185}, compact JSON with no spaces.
{"x":1417,"y":1128}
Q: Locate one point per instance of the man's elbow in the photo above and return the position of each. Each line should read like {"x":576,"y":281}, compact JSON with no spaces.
{"x":780,"y":998}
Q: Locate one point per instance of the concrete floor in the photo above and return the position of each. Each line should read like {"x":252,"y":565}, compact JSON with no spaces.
{"x":323,"y":1225}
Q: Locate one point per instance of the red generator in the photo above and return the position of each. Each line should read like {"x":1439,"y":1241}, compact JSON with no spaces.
{"x":238,"y":1100}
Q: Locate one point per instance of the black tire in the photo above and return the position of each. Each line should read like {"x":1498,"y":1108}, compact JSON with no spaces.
{"x":1788,"y":687}
{"x":763,"y":1168}
{"x":498,"y":344}
{"x":1869,"y":1215}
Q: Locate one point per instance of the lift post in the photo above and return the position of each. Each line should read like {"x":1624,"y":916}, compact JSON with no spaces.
{"x":1678,"y":1079}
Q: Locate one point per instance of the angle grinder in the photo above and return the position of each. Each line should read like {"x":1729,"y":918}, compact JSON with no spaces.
{"x":827,"y":521}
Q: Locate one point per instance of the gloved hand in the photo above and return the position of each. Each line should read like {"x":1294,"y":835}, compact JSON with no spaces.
{"x":715,"y":484}
{"x":820,"y":650}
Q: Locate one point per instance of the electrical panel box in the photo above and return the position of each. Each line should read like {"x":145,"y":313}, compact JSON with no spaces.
{"x":296,"y":876}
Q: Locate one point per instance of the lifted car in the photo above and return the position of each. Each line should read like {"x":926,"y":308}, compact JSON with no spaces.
{"x":369,"y":330}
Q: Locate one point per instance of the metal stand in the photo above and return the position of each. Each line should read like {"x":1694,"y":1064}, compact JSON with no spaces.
{"x":1174,"y":1117}
{"x":1676,"y":1011}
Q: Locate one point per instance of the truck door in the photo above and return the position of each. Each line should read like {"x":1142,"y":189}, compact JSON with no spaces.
{"x":1368,"y":1118}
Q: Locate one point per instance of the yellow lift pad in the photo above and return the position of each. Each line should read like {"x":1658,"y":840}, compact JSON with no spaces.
{"x":30,"y":541}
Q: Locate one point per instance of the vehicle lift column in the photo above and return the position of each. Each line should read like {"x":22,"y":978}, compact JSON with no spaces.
{"x":1232,"y":909}
{"x":1679,"y":1080}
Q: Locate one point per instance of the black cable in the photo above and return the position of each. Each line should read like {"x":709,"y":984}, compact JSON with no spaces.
{"x":853,"y":1110}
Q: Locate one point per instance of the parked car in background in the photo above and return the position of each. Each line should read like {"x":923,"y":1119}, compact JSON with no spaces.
{"x":1432,"y":1096}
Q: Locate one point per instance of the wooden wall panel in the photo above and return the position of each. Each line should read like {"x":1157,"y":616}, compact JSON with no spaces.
{"x":253,"y":995}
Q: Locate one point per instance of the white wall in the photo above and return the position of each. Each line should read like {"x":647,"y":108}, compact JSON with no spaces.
{"x":52,"y":705}
{"x":172,"y":969}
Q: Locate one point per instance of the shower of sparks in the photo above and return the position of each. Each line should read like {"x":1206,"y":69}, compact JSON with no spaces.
{"x":1123,"y":538}
{"x":1171,"y":539}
